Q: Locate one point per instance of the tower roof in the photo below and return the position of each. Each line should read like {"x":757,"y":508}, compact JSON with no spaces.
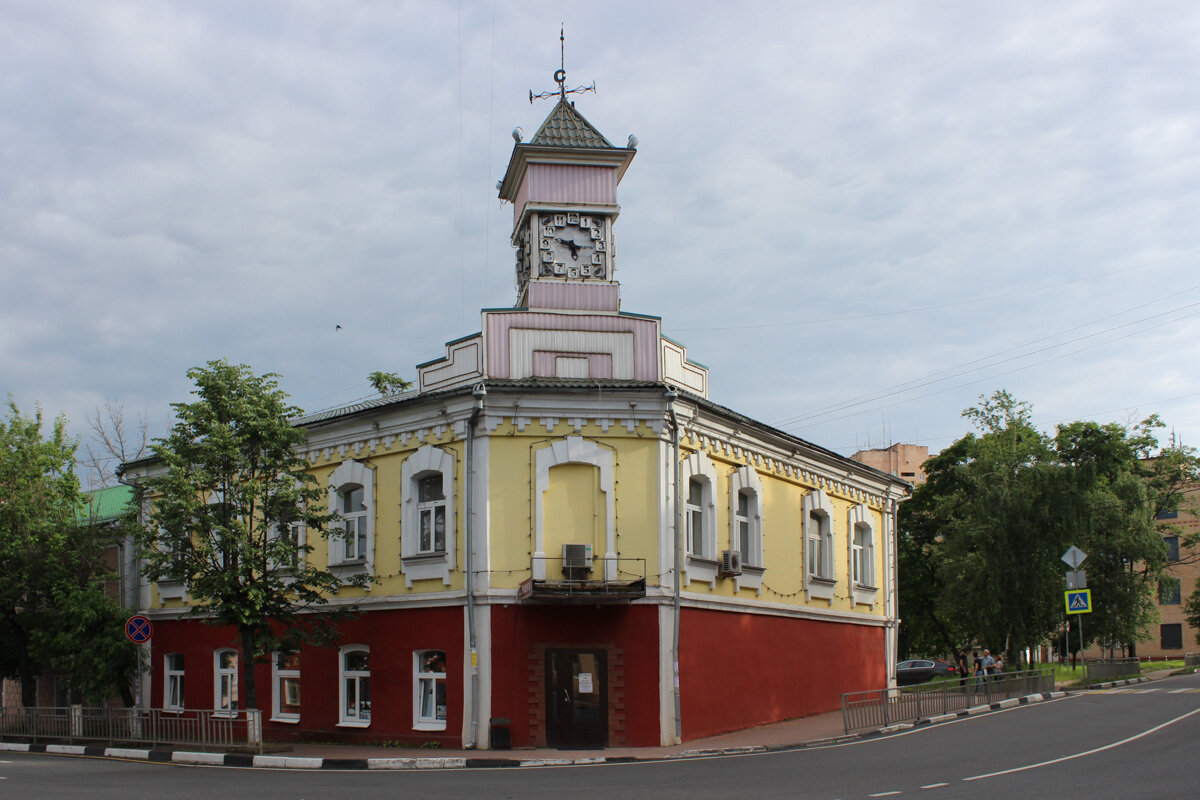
{"x":566,"y":127}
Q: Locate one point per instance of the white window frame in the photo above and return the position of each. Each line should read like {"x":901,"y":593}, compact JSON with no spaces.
{"x":416,"y":563}
{"x":278,"y":677}
{"x":693,"y":515}
{"x":355,"y":719}
{"x":744,"y":482}
{"x":702,"y":566}
{"x":423,"y":678}
{"x":860,"y":535}
{"x":223,"y":676}
{"x":350,"y":474}
{"x":817,"y":513}
{"x":173,"y":682}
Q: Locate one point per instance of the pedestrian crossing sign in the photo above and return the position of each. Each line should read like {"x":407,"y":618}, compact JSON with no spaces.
{"x":1079,"y":601}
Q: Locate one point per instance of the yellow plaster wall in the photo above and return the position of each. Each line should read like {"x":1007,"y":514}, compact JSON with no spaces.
{"x":783,"y":538}
{"x":512,"y":457}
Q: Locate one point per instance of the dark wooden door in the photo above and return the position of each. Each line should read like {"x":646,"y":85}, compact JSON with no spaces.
{"x":576,"y":698}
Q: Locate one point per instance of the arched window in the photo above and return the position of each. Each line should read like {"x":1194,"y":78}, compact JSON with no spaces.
{"x":817,"y":512}
{"x":698,"y":477}
{"x":427,"y":533}
{"x":354,"y":677}
{"x":861,"y":533}
{"x":352,"y":497}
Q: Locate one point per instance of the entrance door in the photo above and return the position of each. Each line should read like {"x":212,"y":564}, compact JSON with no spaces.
{"x":576,"y":698}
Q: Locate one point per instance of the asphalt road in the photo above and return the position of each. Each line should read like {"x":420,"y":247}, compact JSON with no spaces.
{"x":1135,"y":742}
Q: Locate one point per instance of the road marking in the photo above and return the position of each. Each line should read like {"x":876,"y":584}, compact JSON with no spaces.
{"x":935,"y":786}
{"x":1180,"y":691}
{"x":1085,"y":752}
{"x":883,"y":794}
{"x":1147,"y":691}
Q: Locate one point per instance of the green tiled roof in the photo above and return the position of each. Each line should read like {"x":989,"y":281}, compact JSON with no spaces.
{"x":104,"y":505}
{"x":566,"y":127}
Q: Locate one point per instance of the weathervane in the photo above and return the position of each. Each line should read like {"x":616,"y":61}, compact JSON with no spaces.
{"x":560,"y":75}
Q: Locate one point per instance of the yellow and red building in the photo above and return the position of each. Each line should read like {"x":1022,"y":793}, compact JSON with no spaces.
{"x":573,"y":545}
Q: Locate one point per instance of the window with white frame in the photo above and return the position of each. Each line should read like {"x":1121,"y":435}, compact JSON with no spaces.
{"x":427,"y":514}
{"x":352,"y":509}
{"x":225,"y":681}
{"x":745,"y":515}
{"x":693,"y":510}
{"x":173,"y":681}
{"x":354,"y":675}
{"x":352,"y":497}
{"x":698,"y":485}
{"x":429,"y":687}
{"x":285,"y":680}
{"x":861,"y":535}
{"x":817,"y":513}
{"x":431,"y":513}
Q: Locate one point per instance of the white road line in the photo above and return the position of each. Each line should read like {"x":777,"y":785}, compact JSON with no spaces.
{"x":935,"y":786}
{"x":883,"y":794}
{"x":1180,"y":691}
{"x":1148,"y":691}
{"x":1085,"y":752}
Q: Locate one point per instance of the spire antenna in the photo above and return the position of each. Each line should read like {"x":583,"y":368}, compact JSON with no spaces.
{"x":560,"y":75}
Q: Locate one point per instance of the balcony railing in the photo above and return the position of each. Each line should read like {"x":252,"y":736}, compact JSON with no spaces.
{"x":606,"y":580}
{"x":203,"y":728}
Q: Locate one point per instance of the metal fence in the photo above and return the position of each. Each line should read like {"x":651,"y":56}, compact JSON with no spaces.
{"x":1108,"y":669}
{"x":878,"y":708}
{"x":1191,"y":660}
{"x":203,"y":728}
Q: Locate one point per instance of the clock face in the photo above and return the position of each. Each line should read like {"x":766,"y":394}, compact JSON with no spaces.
{"x":572,"y":246}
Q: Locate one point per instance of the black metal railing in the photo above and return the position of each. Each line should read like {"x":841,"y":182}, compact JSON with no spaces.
{"x":878,"y":708}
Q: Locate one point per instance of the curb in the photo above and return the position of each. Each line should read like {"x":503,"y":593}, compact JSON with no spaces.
{"x":296,"y":762}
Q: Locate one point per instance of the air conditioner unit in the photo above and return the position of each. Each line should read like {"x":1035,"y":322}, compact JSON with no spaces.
{"x":576,"y":560}
{"x":731,"y":563}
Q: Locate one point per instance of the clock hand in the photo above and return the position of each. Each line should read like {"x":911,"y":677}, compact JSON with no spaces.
{"x":574,"y":248}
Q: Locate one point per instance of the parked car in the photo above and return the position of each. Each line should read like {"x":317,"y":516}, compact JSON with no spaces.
{"x":919,"y":670}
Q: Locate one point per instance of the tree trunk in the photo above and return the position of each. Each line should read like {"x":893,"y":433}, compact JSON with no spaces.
{"x":246,"y":667}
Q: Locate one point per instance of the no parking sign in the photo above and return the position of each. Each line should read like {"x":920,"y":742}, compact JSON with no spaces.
{"x":138,"y":629}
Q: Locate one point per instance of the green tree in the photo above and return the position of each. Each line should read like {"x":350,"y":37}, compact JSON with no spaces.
{"x":54,"y":613}
{"x":225,"y":515}
{"x":1000,"y":507}
{"x":388,"y":383}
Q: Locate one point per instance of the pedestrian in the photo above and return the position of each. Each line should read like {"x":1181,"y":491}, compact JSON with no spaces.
{"x":962,"y":668}
{"x":985,"y":666}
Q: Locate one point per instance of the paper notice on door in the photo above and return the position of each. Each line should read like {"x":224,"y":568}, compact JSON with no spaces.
{"x":585,"y":683}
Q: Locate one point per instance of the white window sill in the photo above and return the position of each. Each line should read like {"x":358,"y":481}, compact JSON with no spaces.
{"x":820,"y":588}
{"x":698,"y":568}
{"x":172,"y":710}
{"x":286,"y":720}
{"x":864,"y":595}
{"x":221,"y":714}
{"x":429,"y":726}
{"x":354,"y":723}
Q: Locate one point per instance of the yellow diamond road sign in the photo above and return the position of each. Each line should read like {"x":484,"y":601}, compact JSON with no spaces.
{"x":1079,"y":601}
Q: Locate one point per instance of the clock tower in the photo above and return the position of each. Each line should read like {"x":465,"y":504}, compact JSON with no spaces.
{"x":563,"y":187}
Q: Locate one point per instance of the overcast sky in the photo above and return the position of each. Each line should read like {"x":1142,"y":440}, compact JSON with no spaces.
{"x":860,"y":216}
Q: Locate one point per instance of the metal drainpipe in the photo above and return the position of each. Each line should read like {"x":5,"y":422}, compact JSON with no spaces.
{"x":480,"y":392}
{"x":130,"y":593}
{"x":670,"y":396}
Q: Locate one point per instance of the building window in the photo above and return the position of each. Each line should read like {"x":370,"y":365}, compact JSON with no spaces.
{"x":427,"y":515}
{"x":173,"y":681}
{"x":285,"y":678}
{"x":429,"y":706}
{"x":354,"y":673}
{"x":694,"y":516}
{"x":862,"y":556}
{"x":817,"y":513}
{"x":431,"y":512}
{"x":1169,"y":592}
{"x":745,"y":515}
{"x":1171,"y":636}
{"x":820,"y":544}
{"x":225,"y":681}
{"x":1172,"y":543}
{"x":352,"y":497}
{"x":1172,"y":514}
{"x":354,"y":521}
